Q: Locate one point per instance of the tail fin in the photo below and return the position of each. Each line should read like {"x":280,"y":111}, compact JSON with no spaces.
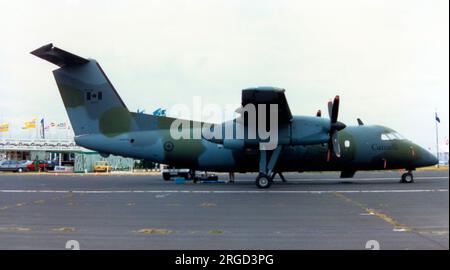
{"x":92,"y":103}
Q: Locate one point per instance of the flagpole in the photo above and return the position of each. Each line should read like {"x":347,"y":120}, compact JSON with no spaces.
{"x":437,"y":138}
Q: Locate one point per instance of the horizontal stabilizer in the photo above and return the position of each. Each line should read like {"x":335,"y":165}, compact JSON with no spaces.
{"x":58,"y":57}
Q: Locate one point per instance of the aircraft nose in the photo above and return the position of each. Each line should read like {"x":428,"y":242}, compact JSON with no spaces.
{"x":432,"y":160}
{"x":426,"y":159}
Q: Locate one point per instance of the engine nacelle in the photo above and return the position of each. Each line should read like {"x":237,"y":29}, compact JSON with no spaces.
{"x":303,"y":130}
{"x":306,"y":130}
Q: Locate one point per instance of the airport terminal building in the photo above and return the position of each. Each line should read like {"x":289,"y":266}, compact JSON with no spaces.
{"x":64,"y":152}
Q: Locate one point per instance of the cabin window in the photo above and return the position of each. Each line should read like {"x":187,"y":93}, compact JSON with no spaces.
{"x":347,"y":143}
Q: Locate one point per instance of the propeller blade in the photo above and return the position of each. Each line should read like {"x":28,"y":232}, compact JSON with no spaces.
{"x":319,"y":113}
{"x":333,"y":146}
{"x":330,"y":108}
{"x":335,"y":110}
{"x":328,"y":155}
{"x":335,"y":127}
{"x":336,"y":146}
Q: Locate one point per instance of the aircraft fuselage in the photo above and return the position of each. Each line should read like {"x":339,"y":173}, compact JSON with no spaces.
{"x":363,"y":148}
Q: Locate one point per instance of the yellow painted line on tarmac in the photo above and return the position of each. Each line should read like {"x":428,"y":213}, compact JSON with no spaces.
{"x":64,"y":229}
{"x":37,"y":202}
{"x":173,"y":204}
{"x":207,"y":205}
{"x":15,"y":229}
{"x":397,"y":225}
{"x":153,"y":231}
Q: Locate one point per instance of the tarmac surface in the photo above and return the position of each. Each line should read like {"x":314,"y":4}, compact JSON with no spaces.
{"x":311,"y":211}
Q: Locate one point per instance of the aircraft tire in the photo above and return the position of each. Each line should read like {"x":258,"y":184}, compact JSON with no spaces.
{"x":407,"y":178}
{"x":263,"y":181}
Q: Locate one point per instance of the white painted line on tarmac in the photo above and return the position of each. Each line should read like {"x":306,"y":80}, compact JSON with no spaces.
{"x":223,"y":191}
{"x":369,"y":178}
{"x":293,"y":180}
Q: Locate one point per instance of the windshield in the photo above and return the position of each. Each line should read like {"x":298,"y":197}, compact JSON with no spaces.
{"x":392,"y":135}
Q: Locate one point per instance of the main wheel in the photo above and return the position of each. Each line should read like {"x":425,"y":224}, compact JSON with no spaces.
{"x":407,"y":178}
{"x":263,"y":181}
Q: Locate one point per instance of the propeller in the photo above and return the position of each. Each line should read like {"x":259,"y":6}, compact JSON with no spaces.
{"x":335,"y":127}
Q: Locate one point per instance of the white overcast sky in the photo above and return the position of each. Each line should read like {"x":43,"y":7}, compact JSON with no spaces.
{"x":389,"y":60}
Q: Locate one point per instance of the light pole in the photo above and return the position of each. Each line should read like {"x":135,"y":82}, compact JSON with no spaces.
{"x":437,"y":120}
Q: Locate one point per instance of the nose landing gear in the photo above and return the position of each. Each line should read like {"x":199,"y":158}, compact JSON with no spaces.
{"x":407,"y":178}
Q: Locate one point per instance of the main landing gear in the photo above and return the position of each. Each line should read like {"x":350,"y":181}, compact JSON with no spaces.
{"x":264,"y":180}
{"x":407,"y":178}
{"x":281,"y":176}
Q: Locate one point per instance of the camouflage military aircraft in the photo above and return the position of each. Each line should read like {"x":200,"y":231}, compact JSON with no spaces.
{"x":102,"y":122}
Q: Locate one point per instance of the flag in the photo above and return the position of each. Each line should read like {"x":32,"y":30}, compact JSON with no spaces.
{"x":62,"y":125}
{"x":160,"y":112}
{"x":94,"y":96}
{"x":437,"y":118}
{"x":29,"y":124}
{"x":157,"y":112}
{"x":4,"y":127}
{"x":42,"y":129}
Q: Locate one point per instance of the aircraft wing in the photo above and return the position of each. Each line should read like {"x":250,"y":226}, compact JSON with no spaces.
{"x":268,"y":95}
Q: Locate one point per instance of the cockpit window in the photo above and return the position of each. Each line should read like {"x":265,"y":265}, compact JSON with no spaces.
{"x":390,"y":136}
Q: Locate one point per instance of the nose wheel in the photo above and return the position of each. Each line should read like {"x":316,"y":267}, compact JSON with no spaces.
{"x":263,"y":181}
{"x":407,"y":178}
